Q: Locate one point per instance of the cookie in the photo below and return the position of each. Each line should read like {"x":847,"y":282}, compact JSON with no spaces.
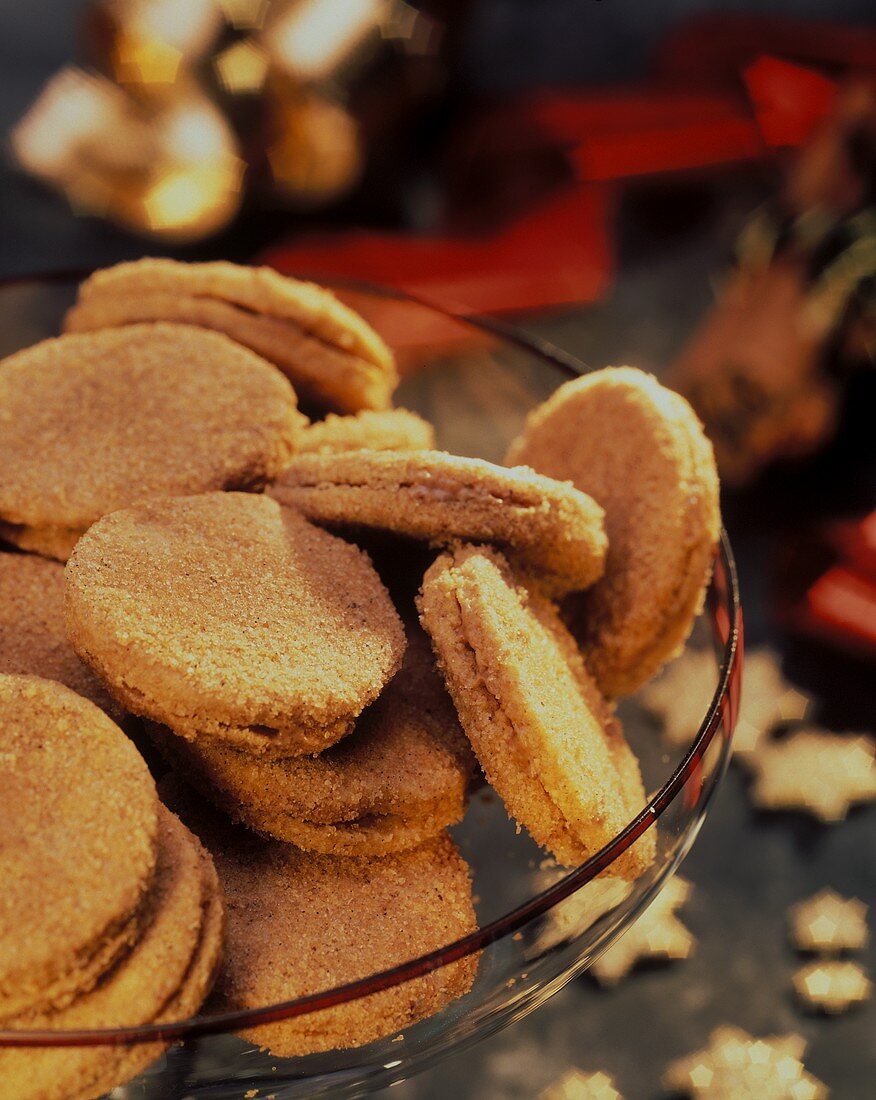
{"x":639,"y":450}
{"x":394,"y":430}
{"x":300,"y":923}
{"x":330,"y":354}
{"x":169,"y":970}
{"x":94,"y":422}
{"x":32,"y":637}
{"x":78,"y":838}
{"x":548,"y":747}
{"x":227,"y":616}
{"x":401,"y":777}
{"x":546,"y":525}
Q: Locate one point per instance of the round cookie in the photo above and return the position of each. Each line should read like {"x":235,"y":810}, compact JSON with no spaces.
{"x":393,"y":430}
{"x":227,"y":616}
{"x":546,"y":745}
{"x":299,"y":923}
{"x":169,"y":970}
{"x":32,"y":637}
{"x":401,"y":777}
{"x":91,"y":423}
{"x":330,"y":353}
{"x":77,"y":844}
{"x":639,"y":450}
{"x":548,"y":527}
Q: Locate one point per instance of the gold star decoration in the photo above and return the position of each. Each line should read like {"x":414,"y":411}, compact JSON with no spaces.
{"x":832,"y":987}
{"x":823,"y":774}
{"x":582,"y":909}
{"x":575,"y":1085}
{"x":658,"y":933}
{"x":682,"y":694}
{"x":828,"y":924}
{"x":736,"y":1066}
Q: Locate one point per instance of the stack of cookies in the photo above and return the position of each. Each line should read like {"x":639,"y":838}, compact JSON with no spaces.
{"x":332,"y":717}
{"x":111,"y":910}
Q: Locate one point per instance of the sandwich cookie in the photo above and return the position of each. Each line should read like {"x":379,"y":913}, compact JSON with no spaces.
{"x":639,"y":450}
{"x":545,"y":738}
{"x":328,"y":351}
{"x":400,"y":778}
{"x":300,"y":923}
{"x":165,"y":977}
{"x":547,"y":526}
{"x":227,"y":617}
{"x":78,"y":844}
{"x":94,"y":422}
{"x":393,"y":430}
{"x":32,"y":637}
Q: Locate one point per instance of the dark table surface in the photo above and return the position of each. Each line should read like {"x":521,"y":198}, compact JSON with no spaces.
{"x":747,"y":867}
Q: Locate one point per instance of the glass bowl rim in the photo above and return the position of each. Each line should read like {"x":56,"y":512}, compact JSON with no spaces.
{"x":509,"y":923}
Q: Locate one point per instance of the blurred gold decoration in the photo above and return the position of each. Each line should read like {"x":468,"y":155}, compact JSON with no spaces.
{"x":823,"y":774}
{"x":246,"y":15}
{"x":736,"y":1066}
{"x":658,"y":933}
{"x":575,"y":1085}
{"x":242,"y":68}
{"x":832,"y":987}
{"x":681,"y":696}
{"x":828,"y":924}
{"x":311,"y":38}
{"x":316,"y":155}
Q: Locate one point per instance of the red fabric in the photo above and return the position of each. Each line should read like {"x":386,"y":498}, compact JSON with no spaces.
{"x":788,"y":100}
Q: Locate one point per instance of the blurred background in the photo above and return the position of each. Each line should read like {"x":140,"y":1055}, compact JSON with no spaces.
{"x":688,"y":187}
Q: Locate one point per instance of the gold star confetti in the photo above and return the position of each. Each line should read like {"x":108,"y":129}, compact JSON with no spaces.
{"x":681,"y":696}
{"x":832,"y":987}
{"x":827,"y":923}
{"x":658,"y":933}
{"x":823,"y":774}
{"x":736,"y":1066}
{"x":575,"y":1085}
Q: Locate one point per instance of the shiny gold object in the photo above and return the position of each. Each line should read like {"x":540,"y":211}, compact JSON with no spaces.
{"x":575,"y":1085}
{"x":658,"y":933}
{"x":682,"y":694}
{"x":828,"y":924}
{"x":245,"y":14}
{"x":833,"y":986}
{"x":242,"y":68}
{"x":316,"y":156}
{"x":736,"y":1066}
{"x":823,"y":774}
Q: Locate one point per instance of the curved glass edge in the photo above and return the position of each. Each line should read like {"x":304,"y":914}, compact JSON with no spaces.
{"x":726,"y":613}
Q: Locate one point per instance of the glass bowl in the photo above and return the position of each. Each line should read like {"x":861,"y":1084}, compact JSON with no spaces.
{"x":539,"y":926}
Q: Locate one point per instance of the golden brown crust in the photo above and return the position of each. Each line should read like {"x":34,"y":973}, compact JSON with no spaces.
{"x":639,"y":450}
{"x":300,"y":923}
{"x":258,"y":289}
{"x":546,"y":524}
{"x":77,"y":843}
{"x":541,"y":741}
{"x":132,"y":413}
{"x":32,"y":637}
{"x":321,"y":373}
{"x":169,"y":970}
{"x":401,"y":777}
{"x":221,"y":616}
{"x":393,"y":430}
{"x":49,"y":541}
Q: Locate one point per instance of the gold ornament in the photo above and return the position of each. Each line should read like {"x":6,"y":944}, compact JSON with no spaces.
{"x":658,"y":933}
{"x":682,"y":694}
{"x":827,"y":923}
{"x":242,"y":67}
{"x":575,"y":1085}
{"x":832,"y":987}
{"x":823,"y":774}
{"x":736,"y":1066}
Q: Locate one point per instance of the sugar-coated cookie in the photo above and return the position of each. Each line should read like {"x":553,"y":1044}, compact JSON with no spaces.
{"x":228,"y":616}
{"x":91,"y":423}
{"x":639,"y":450}
{"x":392,"y":430}
{"x":547,"y":525}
